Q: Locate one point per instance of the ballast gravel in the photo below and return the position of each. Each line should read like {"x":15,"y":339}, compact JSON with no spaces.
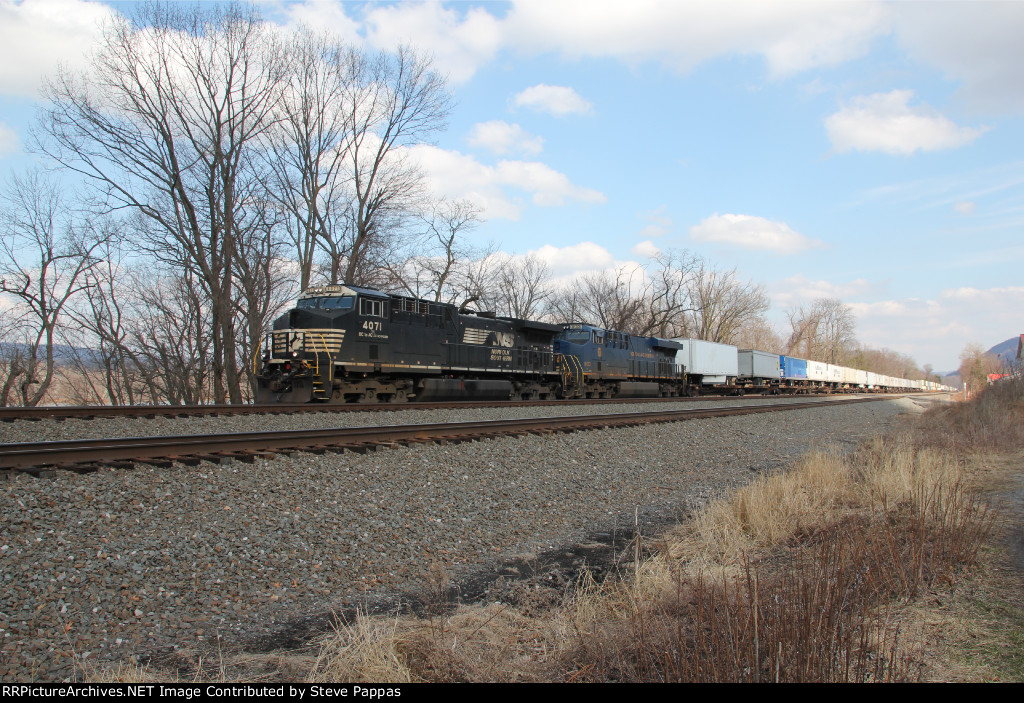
{"x":115,"y":565}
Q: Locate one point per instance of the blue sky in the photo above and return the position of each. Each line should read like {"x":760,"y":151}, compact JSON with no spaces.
{"x":869,"y":151}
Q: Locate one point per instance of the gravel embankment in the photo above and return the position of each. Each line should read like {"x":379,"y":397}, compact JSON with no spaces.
{"x":105,"y":566}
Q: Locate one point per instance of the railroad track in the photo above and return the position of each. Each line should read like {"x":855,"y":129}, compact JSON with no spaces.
{"x":42,"y":458}
{"x":91,"y":412}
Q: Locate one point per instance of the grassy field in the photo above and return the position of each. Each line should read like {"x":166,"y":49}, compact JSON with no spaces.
{"x":894,"y":562}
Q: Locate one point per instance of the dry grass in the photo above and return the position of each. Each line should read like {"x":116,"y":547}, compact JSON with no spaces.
{"x":367,"y":651}
{"x":824,"y":487}
{"x":793,"y":578}
{"x":991,"y":420}
{"x":493,"y":642}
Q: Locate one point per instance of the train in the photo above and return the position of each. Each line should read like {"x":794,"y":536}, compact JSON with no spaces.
{"x":351,"y":344}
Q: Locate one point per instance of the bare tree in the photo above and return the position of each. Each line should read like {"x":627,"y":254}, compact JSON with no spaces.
{"x":164,"y":123}
{"x":612,"y":300}
{"x":395,"y":100}
{"x":172,"y":339}
{"x":631,"y":299}
{"x":975,"y":366}
{"x":309,"y":149}
{"x":669,"y":296}
{"x":104,"y":317}
{"x":440,"y":264}
{"x":825,"y":331}
{"x":523,"y":286}
{"x":723,"y":305}
{"x":12,"y":353}
{"x":263,"y":284}
{"x":759,"y":333}
{"x":45,"y":255}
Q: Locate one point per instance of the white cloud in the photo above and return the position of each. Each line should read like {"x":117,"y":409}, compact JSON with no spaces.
{"x":557,"y":100}
{"x":9,"y":142}
{"x":459,"y":42}
{"x":886,"y":122}
{"x":38,"y":35}
{"x":324,"y":15}
{"x":576,"y":258}
{"x":492,"y":188}
{"x":1000,"y":298}
{"x":646,"y":249}
{"x":965,"y":207}
{"x":977,"y":45}
{"x":800,"y":290}
{"x":501,"y":137}
{"x":791,"y":36}
{"x":750,"y":232}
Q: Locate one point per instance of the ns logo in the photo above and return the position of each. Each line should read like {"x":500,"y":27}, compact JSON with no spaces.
{"x":504,"y":339}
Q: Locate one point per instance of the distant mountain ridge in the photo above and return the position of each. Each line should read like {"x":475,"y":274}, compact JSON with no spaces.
{"x":64,"y":354}
{"x":1006,"y":351}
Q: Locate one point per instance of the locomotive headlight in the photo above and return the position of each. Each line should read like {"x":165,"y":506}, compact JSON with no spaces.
{"x":295,"y":354}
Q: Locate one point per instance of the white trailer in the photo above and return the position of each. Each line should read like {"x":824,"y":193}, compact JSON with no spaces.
{"x":708,"y":363}
{"x":817,"y":371}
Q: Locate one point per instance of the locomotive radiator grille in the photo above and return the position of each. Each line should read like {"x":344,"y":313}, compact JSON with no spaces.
{"x":313,"y":340}
{"x":475,"y":336}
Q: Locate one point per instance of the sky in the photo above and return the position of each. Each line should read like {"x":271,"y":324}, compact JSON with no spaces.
{"x":870,"y":151}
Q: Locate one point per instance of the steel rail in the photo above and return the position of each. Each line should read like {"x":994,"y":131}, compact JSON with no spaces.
{"x":89,"y":412}
{"x":88,"y":454}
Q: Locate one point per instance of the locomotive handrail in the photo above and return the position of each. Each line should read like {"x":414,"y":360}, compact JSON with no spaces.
{"x":330,"y":364}
{"x":571,"y":368}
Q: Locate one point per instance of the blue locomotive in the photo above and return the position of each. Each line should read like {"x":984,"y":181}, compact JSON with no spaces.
{"x":615,"y":364}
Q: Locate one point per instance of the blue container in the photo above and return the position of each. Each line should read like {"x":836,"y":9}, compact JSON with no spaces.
{"x":793,"y":368}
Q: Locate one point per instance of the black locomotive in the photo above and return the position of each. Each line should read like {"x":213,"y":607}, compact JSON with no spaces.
{"x":346,"y":344}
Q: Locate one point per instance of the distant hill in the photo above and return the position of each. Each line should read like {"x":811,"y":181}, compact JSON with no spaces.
{"x":1006,"y":351}
{"x":64,"y":354}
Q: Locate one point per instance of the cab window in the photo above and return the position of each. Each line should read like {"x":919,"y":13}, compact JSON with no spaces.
{"x":344,"y":303}
{"x":328,"y":303}
{"x":372,"y":308}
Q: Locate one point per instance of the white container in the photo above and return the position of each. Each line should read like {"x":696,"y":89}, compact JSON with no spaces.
{"x":712,"y":362}
{"x":817,"y":371}
{"x":834,"y":373}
